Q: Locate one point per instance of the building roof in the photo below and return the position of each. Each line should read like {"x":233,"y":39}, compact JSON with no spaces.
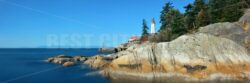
{"x":134,"y":37}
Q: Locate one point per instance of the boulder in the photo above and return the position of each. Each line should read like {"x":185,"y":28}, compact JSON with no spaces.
{"x":228,"y":30}
{"x":82,"y":59}
{"x":63,"y":60}
{"x":60,"y":59}
{"x":67,"y":60}
{"x":196,"y":56}
{"x":50,"y":59}
{"x":237,"y":31}
{"x":68,"y":63}
{"x":77,"y":58}
{"x":222,"y":29}
{"x":97,"y":62}
{"x":232,"y":31}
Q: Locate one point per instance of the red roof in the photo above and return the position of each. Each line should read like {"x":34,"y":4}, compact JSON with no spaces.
{"x":134,"y":38}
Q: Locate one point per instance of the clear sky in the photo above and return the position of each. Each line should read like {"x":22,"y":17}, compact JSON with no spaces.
{"x":75,"y":23}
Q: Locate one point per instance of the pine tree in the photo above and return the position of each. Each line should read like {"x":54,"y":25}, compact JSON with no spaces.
{"x":163,"y":18}
{"x":165,"y":35}
{"x":196,"y":15}
{"x":232,"y":11}
{"x":198,"y":6}
{"x":176,"y":24}
{"x":215,"y":10}
{"x":144,"y":28}
{"x":202,"y":18}
{"x":226,"y":11}
{"x":201,"y":13}
{"x":189,"y":18}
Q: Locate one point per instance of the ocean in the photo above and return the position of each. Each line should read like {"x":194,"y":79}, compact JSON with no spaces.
{"x":28,"y":66}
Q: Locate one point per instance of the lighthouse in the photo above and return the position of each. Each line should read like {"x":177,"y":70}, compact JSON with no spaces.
{"x":152,"y":29}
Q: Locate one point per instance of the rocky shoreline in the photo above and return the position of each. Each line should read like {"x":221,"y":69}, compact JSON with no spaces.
{"x":201,"y":57}
{"x":217,"y":51}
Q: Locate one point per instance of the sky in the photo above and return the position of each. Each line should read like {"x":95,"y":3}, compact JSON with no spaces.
{"x":76,"y":23}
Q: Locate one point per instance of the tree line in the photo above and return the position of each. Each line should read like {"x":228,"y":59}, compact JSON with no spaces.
{"x":197,"y":14}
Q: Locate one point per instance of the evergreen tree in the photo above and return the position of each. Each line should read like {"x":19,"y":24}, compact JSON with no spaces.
{"x":225,"y":11}
{"x":215,"y":10}
{"x":189,"y":18}
{"x":202,"y":18}
{"x":198,"y":6}
{"x":144,"y":28}
{"x":196,"y":15}
{"x":232,"y":11}
{"x":163,"y":19}
{"x":165,"y":35}
{"x":201,"y":14}
{"x":175,"y":26}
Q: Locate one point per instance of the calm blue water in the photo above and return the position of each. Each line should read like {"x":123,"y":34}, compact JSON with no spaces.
{"x":27,"y":66}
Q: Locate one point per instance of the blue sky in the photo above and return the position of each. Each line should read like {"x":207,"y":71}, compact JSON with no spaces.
{"x":42,"y":23}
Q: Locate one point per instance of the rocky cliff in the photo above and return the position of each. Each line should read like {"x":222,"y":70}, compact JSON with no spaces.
{"x":216,"y":51}
{"x":196,"y":56}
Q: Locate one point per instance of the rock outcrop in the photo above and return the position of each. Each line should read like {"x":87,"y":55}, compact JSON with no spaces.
{"x":98,"y":61}
{"x":196,"y":56}
{"x":68,"y":63}
{"x":237,"y":31}
{"x":95,"y":62}
{"x":66,"y":60}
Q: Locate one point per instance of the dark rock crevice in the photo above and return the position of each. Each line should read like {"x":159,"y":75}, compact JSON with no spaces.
{"x":191,"y":69}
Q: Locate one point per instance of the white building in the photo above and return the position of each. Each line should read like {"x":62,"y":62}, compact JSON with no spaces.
{"x":152,"y":29}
